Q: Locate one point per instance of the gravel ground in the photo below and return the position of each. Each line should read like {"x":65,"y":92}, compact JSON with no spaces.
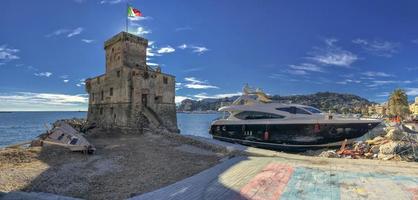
{"x":123,"y":165}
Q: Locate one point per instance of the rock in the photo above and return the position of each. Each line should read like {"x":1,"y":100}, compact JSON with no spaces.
{"x":329,"y":154}
{"x":361,"y":146}
{"x":376,"y":140}
{"x":388,"y":148}
{"x":396,"y":135}
{"x":375,"y":149}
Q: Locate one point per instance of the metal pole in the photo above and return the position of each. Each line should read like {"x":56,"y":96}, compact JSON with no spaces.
{"x":126,"y":15}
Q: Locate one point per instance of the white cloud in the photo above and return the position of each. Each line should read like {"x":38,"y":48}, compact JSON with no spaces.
{"x":216,"y":96}
{"x":65,"y":80}
{"x":194,"y":83}
{"x":152,"y":64}
{"x":347,"y":81}
{"x":330,"y":41}
{"x":183,"y":46}
{"x":376,"y":74}
{"x":412,"y":91}
{"x":193,"y":80}
{"x":167,"y":49}
{"x":332,"y":55}
{"x":376,"y":83}
{"x":7,"y":54}
{"x":81,"y":83}
{"x":75,"y":32}
{"x":151,"y":53}
{"x":69,"y":32}
{"x":378,"y":48}
{"x":179,"y":86}
{"x":307,"y":67}
{"x":199,"y":49}
{"x":142,"y":31}
{"x":43,"y":74}
{"x":111,"y":1}
{"x":296,"y":72}
{"x":383,"y":94}
{"x":42,"y":101}
{"x":179,"y":99}
{"x":58,"y":32}
{"x":140,"y":18}
{"x":87,"y":41}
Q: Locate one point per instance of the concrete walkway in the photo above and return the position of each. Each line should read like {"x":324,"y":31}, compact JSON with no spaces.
{"x":265,"y":174}
{"x":259,"y":174}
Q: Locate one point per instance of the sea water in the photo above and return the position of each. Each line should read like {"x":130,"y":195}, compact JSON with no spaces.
{"x":18,"y":127}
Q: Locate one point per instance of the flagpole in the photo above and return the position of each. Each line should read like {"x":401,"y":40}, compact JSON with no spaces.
{"x":126,"y":14}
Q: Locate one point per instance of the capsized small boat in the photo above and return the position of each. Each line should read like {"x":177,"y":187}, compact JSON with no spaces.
{"x":65,"y":135}
{"x":253,"y":119}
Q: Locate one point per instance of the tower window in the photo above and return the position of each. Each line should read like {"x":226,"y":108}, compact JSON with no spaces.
{"x":118,"y":57}
{"x":101,"y":111}
{"x":102,"y":95}
{"x":92,"y":96}
{"x":118,"y":73}
{"x":111,"y":92}
{"x":113,"y":49}
{"x":98,"y":80}
{"x":165,"y":80}
{"x":111,"y":110}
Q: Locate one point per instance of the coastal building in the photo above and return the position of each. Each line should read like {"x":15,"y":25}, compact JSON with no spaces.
{"x":379,"y":109}
{"x":131,"y":94}
{"x":414,"y":107}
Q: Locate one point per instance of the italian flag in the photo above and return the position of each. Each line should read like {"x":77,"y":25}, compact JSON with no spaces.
{"x":133,"y":12}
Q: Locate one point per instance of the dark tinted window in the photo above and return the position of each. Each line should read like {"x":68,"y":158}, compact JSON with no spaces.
{"x":312,"y":110}
{"x":286,"y":109}
{"x":293,"y":110}
{"x":301,"y":111}
{"x":257,"y":115}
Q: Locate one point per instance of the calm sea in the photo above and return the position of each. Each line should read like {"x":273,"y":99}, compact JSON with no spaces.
{"x":18,"y":127}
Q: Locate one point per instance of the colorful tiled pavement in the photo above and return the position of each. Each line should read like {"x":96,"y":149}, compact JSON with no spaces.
{"x":271,"y":179}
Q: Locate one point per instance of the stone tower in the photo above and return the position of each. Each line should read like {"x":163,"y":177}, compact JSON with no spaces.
{"x":131,"y":95}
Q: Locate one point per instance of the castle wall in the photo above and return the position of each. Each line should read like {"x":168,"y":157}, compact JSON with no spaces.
{"x":130,"y":94}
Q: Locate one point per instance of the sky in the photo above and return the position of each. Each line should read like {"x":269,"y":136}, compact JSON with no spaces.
{"x":368,"y":48}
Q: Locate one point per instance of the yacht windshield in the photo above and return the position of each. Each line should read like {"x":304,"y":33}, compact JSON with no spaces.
{"x":257,"y":115}
{"x":312,"y":110}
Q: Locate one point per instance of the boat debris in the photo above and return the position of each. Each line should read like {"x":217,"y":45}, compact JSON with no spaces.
{"x":67,"y":133}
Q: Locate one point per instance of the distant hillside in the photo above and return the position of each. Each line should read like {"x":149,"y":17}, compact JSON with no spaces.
{"x":325,"y":101}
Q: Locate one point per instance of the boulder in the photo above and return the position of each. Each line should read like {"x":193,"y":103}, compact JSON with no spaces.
{"x":329,"y":154}
{"x":375,"y":149}
{"x":388,"y":148}
{"x":396,"y":135}
{"x":376,"y":140}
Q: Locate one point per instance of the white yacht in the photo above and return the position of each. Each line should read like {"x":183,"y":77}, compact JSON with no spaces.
{"x":253,"y":119}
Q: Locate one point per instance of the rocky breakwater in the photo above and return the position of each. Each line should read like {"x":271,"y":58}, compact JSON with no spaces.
{"x":396,"y":142}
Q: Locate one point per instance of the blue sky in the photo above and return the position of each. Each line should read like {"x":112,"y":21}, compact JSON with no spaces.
{"x":368,"y":48}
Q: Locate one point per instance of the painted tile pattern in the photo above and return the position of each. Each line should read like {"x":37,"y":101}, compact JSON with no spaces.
{"x":281,"y":181}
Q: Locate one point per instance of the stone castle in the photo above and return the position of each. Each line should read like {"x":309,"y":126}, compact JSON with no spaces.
{"x":131,"y":94}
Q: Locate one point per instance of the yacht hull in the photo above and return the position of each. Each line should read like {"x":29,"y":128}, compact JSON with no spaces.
{"x":291,"y":136}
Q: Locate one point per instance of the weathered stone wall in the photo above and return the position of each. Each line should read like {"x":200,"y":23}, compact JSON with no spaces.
{"x":130,"y":91}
